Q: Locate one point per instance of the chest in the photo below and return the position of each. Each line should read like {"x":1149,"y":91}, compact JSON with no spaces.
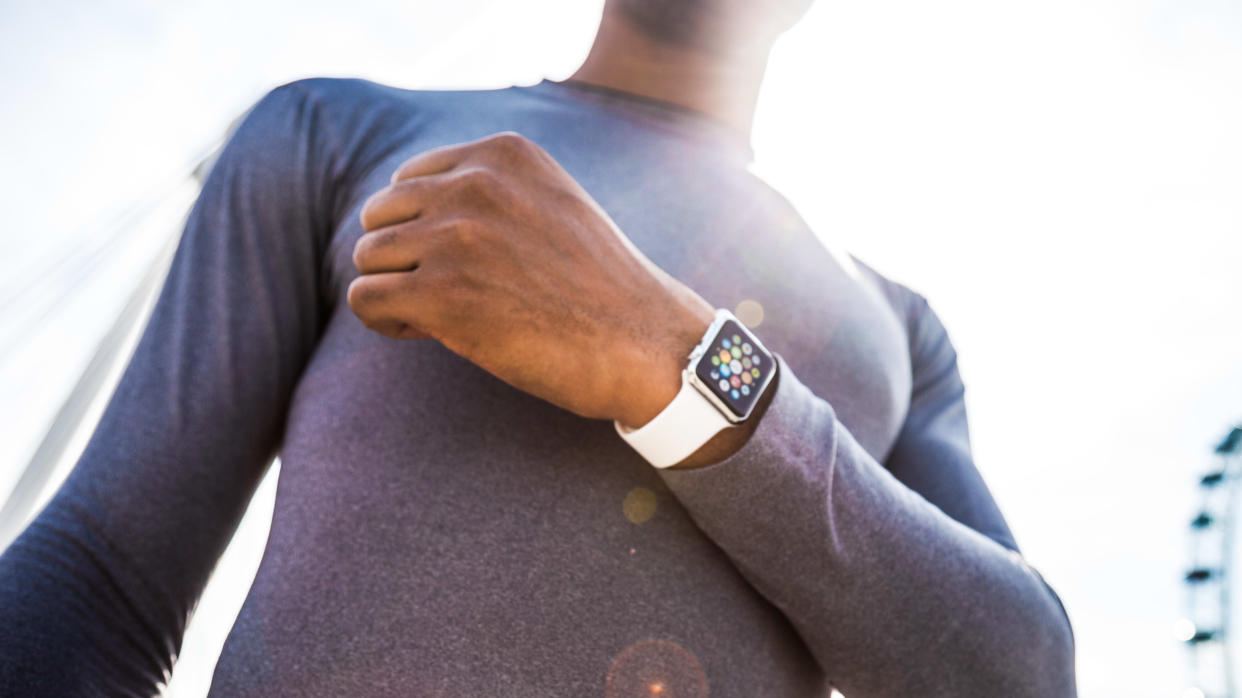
{"x":741,"y":247}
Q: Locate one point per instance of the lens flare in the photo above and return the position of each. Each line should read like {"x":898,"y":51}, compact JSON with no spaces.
{"x":656,"y":668}
{"x":640,"y":505}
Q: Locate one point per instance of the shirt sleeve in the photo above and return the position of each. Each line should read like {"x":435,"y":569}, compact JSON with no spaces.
{"x":902,"y":578}
{"x":96,"y":592}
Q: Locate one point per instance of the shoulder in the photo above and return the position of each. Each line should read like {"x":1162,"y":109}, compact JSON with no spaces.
{"x":343,"y":95}
{"x":931,"y":349}
{"x":365,"y":104}
{"x":334,"y":104}
{"x":336,"y":91}
{"x":360,"y":122}
{"x":909,"y":305}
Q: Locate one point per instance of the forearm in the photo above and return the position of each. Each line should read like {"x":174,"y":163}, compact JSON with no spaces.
{"x":891,"y":595}
{"x":96,"y":592}
{"x":78,"y":622}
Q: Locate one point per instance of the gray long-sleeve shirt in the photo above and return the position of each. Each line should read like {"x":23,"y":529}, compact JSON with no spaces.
{"x":440,"y":533}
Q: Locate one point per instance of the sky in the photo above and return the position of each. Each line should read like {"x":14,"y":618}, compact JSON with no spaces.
{"x":1060,"y":179}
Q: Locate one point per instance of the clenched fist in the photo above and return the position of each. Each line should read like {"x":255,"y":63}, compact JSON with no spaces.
{"x":491,"y":248}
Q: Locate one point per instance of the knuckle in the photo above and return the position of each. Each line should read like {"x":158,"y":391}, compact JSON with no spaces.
{"x":369,"y":215}
{"x":362,"y":295}
{"x":508,"y":140}
{"x":362,"y":251}
{"x":353,"y":296}
{"x":399,"y":173}
{"x":367,"y":246}
{"x":465,"y":233}
{"x":479,"y":181}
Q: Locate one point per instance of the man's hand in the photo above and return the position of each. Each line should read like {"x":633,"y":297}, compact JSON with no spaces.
{"x":493,"y":249}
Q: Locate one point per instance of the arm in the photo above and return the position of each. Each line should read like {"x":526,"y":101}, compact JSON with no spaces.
{"x":96,"y":592}
{"x":903,"y":580}
{"x":892,"y":594}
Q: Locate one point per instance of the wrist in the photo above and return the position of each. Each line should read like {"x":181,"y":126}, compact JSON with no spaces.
{"x":729,"y":441}
{"x":654,"y":375}
{"x":721,"y":395}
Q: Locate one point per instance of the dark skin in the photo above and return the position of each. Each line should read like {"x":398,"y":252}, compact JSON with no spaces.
{"x":491,"y":248}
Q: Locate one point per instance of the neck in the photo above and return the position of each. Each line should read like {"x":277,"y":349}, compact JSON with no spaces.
{"x":724,"y":86}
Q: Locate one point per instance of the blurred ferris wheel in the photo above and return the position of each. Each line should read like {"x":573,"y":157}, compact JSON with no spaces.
{"x":1213,"y":618}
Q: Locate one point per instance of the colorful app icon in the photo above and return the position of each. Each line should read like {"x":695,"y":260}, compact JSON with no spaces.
{"x":754,"y":358}
{"x":735,"y":366}
{"x":734,"y":394}
{"x":725,"y":356}
{"x":725,"y":370}
{"x":737,"y":339}
{"x":735,"y":381}
{"x":715,"y":360}
{"x":746,"y":389}
{"x":726,"y":343}
{"x":754,"y":372}
{"x":747,"y":349}
{"x":746,"y":362}
{"x":746,"y":378}
{"x":716,"y":375}
{"x":724,"y":384}
{"x":737,"y":352}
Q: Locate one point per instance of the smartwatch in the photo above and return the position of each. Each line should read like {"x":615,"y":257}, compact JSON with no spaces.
{"x":726,"y":375}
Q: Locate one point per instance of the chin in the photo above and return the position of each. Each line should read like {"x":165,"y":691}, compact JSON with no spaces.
{"x":716,"y":24}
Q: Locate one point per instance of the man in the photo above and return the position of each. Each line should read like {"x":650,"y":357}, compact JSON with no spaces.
{"x":476,"y":513}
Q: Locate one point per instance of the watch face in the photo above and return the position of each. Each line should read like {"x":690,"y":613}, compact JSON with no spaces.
{"x":735,"y":368}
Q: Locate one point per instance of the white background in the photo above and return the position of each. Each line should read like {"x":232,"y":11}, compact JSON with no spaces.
{"x":1060,"y":178}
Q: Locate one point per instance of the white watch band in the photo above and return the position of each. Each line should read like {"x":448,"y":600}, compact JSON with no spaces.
{"x":685,"y":424}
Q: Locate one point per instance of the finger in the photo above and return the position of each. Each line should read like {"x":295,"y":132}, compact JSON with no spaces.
{"x":399,"y":247}
{"x":392,"y":304}
{"x":434,"y":161}
{"x":400,"y":202}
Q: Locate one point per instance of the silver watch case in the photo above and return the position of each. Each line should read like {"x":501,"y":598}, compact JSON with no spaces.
{"x":696,"y":355}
